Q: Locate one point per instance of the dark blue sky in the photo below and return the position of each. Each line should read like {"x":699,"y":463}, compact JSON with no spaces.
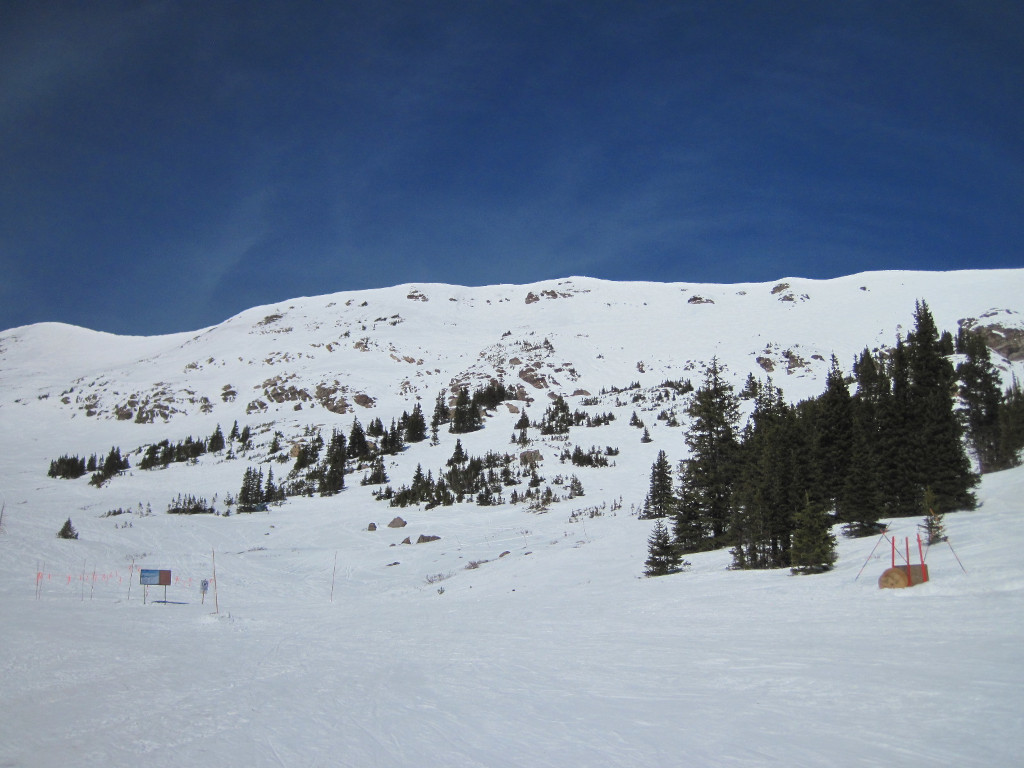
{"x":164,"y":165}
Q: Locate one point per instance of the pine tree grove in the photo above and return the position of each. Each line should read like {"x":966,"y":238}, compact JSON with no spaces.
{"x":896,"y":443}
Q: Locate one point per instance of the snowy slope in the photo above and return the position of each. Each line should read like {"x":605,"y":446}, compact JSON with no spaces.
{"x":396,"y":344}
{"x":516,"y":639}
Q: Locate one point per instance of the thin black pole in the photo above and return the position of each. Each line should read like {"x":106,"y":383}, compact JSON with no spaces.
{"x":869,"y":557}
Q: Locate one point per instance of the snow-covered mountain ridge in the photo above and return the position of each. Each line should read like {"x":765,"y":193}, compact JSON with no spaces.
{"x":357,"y":351}
{"x":500,"y":635}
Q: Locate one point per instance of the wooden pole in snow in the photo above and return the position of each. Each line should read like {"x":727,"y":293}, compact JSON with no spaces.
{"x":216,"y":602}
{"x":956,"y":556}
{"x":869,"y":557}
{"x":335,"y":573}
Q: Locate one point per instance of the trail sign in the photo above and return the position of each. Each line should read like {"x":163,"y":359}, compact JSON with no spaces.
{"x":153,"y":577}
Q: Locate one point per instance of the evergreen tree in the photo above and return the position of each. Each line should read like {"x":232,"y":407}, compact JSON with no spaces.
{"x":307,"y":455}
{"x":713,"y":442}
{"x":897,"y":443}
{"x":575,"y":487}
{"x":981,"y":393}
{"x":377,"y":474}
{"x":833,"y":430}
{"x":271,"y":492}
{"x":115,"y":463}
{"x":769,"y":481}
{"x":1011,"y":419}
{"x":358,"y":447}
{"x":458,"y":456}
{"x":860,"y":504}
{"x":67,"y":531}
{"x":415,"y":426}
{"x":216,"y":442}
{"x":941,"y":461}
{"x":814,"y":545}
{"x":250,"y":495}
{"x":557,"y":418}
{"x":750,"y":388}
{"x":465,"y":417}
{"x":334,"y":465}
{"x":68,"y":467}
{"x":865,"y":491}
{"x":872,"y":383}
{"x":489,"y":396}
{"x":441,"y":413}
{"x":934,"y":526}
{"x":660,"y":501}
{"x":663,"y":557}
{"x":391,"y":441}
{"x":421,"y":486}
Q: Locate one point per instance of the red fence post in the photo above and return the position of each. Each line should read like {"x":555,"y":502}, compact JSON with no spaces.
{"x":910,"y":574}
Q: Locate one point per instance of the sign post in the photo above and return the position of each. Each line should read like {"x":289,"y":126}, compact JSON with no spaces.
{"x":151,"y":576}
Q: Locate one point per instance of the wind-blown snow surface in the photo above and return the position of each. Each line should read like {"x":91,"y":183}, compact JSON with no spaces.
{"x":517,"y":639}
{"x":559,"y":657}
